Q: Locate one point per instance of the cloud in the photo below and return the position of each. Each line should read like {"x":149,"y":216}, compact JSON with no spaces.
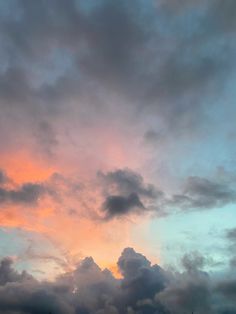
{"x":117,"y":205}
{"x":28,"y":193}
{"x":198,"y":193}
{"x":143,"y":289}
{"x":87,"y":289}
{"x":126,"y":181}
{"x":120,"y":192}
{"x":88,"y":64}
{"x":228,"y":289}
{"x":188,"y":294}
{"x":193,"y":262}
{"x":81,"y":82}
{"x":126,"y":192}
{"x":102,"y":54}
{"x":3,"y":177}
{"x":231,"y":234}
{"x":141,"y":280}
{"x":202,"y":193}
{"x":8,"y":274}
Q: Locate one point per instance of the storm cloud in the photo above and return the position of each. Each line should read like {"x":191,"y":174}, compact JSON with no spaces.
{"x":143,"y":288}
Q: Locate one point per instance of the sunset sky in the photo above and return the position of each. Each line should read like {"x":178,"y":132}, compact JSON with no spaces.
{"x":118,"y":130}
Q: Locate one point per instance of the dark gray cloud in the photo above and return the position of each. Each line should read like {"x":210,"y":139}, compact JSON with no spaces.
{"x":88,"y":289}
{"x":126,"y":181}
{"x":188,"y":294}
{"x":143,"y":289}
{"x":193,"y":262}
{"x":8,"y":274}
{"x":141,"y":280}
{"x":116,"y":205}
{"x":28,"y":193}
{"x":204,"y":193}
{"x":56,"y":187}
{"x":126,"y":192}
{"x":194,"y":290}
{"x":231,"y":235}
{"x":231,"y":238}
{"x":103,"y":39}
{"x":228,"y":289}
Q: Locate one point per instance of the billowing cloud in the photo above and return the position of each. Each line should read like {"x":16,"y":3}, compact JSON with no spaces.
{"x":8,"y":274}
{"x":143,"y":288}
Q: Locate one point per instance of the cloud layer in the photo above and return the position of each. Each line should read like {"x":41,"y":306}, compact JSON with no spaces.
{"x":113,"y":112}
{"x":143,"y":289}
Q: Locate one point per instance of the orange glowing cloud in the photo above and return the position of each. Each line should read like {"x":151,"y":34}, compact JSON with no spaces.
{"x":23,"y":167}
{"x":68,"y":215}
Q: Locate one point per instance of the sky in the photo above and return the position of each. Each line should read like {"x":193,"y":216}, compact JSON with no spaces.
{"x":117,"y":156}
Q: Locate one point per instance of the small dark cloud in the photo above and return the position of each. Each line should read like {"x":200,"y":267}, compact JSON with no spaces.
{"x":231,"y":234}
{"x":28,"y":193}
{"x":126,"y":192}
{"x":193,"y":262}
{"x":116,"y":205}
{"x":126,"y":181}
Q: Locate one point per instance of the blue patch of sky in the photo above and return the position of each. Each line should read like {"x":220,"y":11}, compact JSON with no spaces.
{"x":11,"y":242}
{"x":199,"y":231}
{"x":15,"y":242}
